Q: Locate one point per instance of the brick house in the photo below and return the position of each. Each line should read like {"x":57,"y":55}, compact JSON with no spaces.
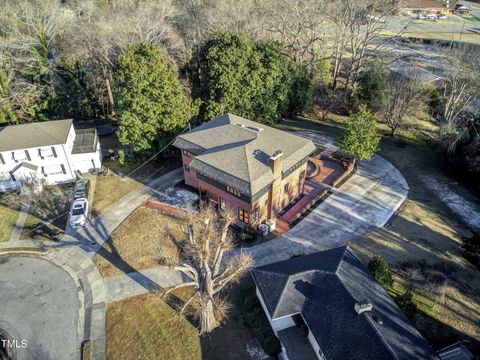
{"x":251,"y":168}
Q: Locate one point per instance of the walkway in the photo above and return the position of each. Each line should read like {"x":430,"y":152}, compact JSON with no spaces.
{"x":99,"y":229}
{"x":365,"y":202}
{"x":22,"y":216}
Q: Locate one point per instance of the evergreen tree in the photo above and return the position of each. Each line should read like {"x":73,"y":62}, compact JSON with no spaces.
{"x":230,"y":73}
{"x":360,"y":138}
{"x":151,"y":103}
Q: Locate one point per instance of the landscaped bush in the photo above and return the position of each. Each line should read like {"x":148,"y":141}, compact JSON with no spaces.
{"x":378,"y":266}
{"x":256,"y":321}
{"x":405,"y":302}
{"x":472,"y":249}
{"x":248,"y":234}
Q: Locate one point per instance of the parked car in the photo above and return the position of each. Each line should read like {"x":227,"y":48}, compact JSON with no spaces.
{"x":431,"y":17}
{"x":442,"y":17}
{"x":421,"y":17}
{"x":82,"y":189}
{"x":79,"y":213}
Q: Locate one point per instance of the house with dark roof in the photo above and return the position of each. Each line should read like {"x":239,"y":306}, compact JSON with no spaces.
{"x":328,"y":306}
{"x":254,"y":169}
{"x":50,"y":151}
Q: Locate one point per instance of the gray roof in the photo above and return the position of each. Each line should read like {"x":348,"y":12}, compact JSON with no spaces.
{"x":25,"y":165}
{"x":235,"y":151}
{"x":85,"y":141}
{"x":37,"y":134}
{"x":413,"y":72}
{"x":324,"y":287}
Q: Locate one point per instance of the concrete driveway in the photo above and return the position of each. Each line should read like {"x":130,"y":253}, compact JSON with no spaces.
{"x":39,"y":303}
{"x":365,"y":202}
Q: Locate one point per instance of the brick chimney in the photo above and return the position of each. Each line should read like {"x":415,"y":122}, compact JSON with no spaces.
{"x":275,"y":193}
{"x":276,"y":163}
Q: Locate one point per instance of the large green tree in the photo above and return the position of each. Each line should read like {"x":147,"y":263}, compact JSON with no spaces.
{"x":152,"y":105}
{"x":360,"y":138}
{"x":231,"y":73}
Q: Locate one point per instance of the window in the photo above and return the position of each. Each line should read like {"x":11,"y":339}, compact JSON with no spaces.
{"x":47,"y":152}
{"x":63,"y":169}
{"x":221,"y":202}
{"x":186,"y":167}
{"x":286,"y":188}
{"x":243,"y":215}
{"x":233,"y":191}
{"x":1,"y":159}
{"x":19,"y":156}
{"x":302,"y":175}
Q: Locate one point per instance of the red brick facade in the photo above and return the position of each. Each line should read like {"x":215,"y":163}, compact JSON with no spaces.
{"x":250,"y":213}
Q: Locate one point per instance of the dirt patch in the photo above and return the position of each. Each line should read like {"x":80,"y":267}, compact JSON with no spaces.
{"x":136,"y":243}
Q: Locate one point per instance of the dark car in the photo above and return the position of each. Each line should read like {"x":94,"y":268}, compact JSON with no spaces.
{"x":82,"y":189}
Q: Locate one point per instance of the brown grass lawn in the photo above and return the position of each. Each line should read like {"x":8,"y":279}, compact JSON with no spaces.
{"x":423,"y":234}
{"x":145,"y":327}
{"x":111,"y":188}
{"x":136,"y":243}
{"x":8,"y":218}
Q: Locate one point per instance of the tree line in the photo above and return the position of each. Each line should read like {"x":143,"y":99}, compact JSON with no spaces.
{"x":158,"y":65}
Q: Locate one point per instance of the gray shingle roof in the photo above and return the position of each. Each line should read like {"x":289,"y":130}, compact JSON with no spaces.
{"x":324,"y":288}
{"x":31,"y":135}
{"x":235,"y":151}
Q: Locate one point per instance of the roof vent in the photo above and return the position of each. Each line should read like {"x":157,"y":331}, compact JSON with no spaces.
{"x":363,"y":306}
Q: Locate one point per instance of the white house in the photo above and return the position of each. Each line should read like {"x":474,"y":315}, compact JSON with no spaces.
{"x":51,"y":151}
{"x":327,"y":306}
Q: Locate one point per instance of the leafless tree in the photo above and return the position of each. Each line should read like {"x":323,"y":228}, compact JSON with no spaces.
{"x":200,"y":254}
{"x":405,"y":99}
{"x":298,"y":24}
{"x":359,"y":32}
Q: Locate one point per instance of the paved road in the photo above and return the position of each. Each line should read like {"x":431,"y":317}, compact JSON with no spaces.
{"x":39,"y":303}
{"x":365,"y":202}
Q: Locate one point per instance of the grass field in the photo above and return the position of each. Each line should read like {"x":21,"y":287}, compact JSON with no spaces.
{"x":145,"y":327}
{"x":8,"y":218}
{"x":111,"y":188}
{"x":135,"y":245}
{"x":423,"y":234}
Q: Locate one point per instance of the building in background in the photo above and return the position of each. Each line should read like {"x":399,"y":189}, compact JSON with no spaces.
{"x":50,"y":151}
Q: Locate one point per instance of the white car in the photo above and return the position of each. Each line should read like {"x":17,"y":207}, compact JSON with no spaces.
{"x":431,"y":17}
{"x":79,"y":212}
{"x":442,"y":17}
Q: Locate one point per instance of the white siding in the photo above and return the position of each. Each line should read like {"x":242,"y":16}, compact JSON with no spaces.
{"x":56,"y":163}
{"x":276,"y":324}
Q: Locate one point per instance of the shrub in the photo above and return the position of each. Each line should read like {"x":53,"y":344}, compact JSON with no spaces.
{"x":256,"y":321}
{"x":405,"y":302}
{"x":378,"y":266}
{"x":248,"y":234}
{"x":471,"y":248}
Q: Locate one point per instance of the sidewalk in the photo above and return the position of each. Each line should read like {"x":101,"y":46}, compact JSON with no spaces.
{"x":141,"y":282}
{"x":99,"y":228}
{"x":17,"y":230}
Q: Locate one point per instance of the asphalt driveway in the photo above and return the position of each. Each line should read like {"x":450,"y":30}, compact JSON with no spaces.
{"x":39,"y":303}
{"x":365,"y":202}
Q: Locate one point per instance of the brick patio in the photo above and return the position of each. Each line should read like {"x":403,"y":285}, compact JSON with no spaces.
{"x":331,"y":173}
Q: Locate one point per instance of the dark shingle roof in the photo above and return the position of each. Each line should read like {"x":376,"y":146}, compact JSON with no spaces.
{"x":235,"y":151}
{"x":32,"y":135}
{"x":324,"y":288}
